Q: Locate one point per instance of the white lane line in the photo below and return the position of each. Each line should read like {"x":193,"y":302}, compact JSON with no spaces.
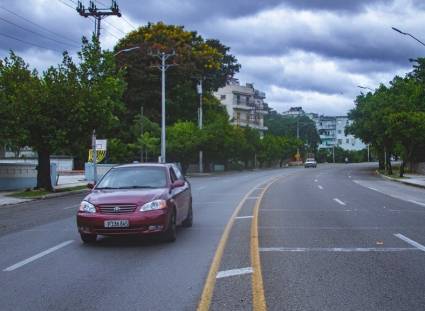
{"x":243,"y":217}
{"x":37,"y":256}
{"x":416,"y":202}
{"x":349,"y":176}
{"x":374,"y":189}
{"x":252,"y":198}
{"x":411,"y":242}
{"x":316,"y":180}
{"x":320,"y":187}
{"x":337,"y":249}
{"x":73,"y":206}
{"x":233,"y":272}
{"x":339,"y":201}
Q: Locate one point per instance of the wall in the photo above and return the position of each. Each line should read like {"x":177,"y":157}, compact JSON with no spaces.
{"x":15,"y":176}
{"x":62,"y":163}
{"x":419,"y":168}
{"x":101,"y":170}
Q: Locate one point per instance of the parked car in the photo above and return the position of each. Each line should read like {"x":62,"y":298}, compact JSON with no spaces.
{"x":310,"y":162}
{"x":137,"y":199}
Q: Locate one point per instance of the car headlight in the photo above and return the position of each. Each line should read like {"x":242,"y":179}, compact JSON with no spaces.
{"x":87,"y":207}
{"x":154,"y":205}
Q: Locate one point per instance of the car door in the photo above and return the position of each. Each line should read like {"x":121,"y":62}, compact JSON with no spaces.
{"x":187,"y":193}
{"x":178,"y":195}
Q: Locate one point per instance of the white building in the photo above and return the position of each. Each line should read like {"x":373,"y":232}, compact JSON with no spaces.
{"x":294,"y":112}
{"x":244,"y":104}
{"x":332,"y":133}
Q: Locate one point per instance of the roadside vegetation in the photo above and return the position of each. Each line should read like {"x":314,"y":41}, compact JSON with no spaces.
{"x":118,"y":94}
{"x":392,"y":119}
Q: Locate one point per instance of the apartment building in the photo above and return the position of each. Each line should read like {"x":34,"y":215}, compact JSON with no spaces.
{"x":244,"y":104}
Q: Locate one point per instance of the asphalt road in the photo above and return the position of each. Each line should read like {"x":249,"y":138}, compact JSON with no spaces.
{"x":332,"y":238}
{"x":116,"y":273}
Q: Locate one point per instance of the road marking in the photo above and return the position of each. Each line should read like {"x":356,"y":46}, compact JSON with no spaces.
{"x":374,"y":189}
{"x":349,"y":176}
{"x":207,"y":292}
{"x":37,"y":256}
{"x":243,"y":217}
{"x":73,"y":206}
{"x":416,"y":202}
{"x":337,"y":249}
{"x":320,"y":187}
{"x":339,"y":201}
{"x":411,"y":242}
{"x":258,"y":297}
{"x":315,"y":180}
{"x":252,"y":198}
{"x":233,"y":272}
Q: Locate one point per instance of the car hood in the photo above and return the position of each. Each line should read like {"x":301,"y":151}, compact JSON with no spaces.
{"x":125,"y":196}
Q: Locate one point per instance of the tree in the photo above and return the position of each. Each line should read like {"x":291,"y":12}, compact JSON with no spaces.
{"x":184,"y":139}
{"x":59,"y":110}
{"x":195,"y":58}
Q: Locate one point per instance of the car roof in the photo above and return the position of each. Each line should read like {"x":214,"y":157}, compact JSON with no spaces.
{"x":166,"y":165}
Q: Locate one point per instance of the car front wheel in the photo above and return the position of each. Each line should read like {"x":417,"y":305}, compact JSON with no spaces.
{"x":188,"y":222}
{"x":88,"y":238}
{"x":170,"y":234}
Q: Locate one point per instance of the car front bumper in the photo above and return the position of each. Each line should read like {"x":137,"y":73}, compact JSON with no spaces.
{"x":139,"y":223}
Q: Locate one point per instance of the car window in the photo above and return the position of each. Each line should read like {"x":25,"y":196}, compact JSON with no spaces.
{"x":178,"y":172}
{"x":172,"y":175}
{"x":134,"y":177}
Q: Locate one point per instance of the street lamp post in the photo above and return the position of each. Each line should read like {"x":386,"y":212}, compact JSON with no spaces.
{"x":408,"y":34}
{"x":163,"y":67}
{"x":201,"y":162}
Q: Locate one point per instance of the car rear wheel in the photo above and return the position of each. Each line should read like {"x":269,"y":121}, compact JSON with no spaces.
{"x":88,"y":238}
{"x":170,"y":234}
{"x":188,"y":222}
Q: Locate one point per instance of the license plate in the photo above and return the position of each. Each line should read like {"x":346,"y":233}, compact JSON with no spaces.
{"x":116,"y":224}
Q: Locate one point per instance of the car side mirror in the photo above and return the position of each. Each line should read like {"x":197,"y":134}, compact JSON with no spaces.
{"x":90,"y":185}
{"x":177,"y":183}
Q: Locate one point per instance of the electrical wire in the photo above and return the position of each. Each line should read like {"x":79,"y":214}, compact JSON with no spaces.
{"x":27,"y":42}
{"x":38,"y":25}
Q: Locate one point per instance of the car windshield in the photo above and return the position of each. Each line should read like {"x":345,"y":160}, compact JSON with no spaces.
{"x":134,"y":177}
{"x":310,"y":160}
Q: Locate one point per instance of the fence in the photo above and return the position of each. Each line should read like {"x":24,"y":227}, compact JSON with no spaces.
{"x":14,"y":176}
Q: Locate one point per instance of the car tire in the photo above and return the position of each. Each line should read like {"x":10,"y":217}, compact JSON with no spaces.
{"x":170,"y":234}
{"x":188,"y":222}
{"x":88,"y":238}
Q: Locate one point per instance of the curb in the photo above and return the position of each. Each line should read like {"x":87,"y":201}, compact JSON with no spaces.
{"x":399,"y":181}
{"x":47,"y":196}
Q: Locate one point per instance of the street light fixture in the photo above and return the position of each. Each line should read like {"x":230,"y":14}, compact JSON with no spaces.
{"x":408,"y":34}
{"x":364,"y":87}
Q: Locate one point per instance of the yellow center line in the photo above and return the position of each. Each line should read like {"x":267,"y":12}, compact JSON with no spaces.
{"x":208,"y":290}
{"x":258,"y":297}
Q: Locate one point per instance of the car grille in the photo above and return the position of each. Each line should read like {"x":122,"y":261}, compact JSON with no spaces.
{"x":117,"y":209}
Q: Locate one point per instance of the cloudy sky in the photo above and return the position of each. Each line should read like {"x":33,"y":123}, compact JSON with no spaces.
{"x":309,"y":53}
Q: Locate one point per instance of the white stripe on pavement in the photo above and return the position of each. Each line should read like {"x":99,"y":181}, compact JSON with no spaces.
{"x":416,"y":202}
{"x":37,"y":256}
{"x":251,"y":198}
{"x":73,"y":206}
{"x":315,"y":180}
{"x":243,"y":217}
{"x":374,"y":189}
{"x":337,"y":249}
{"x":339,"y":201}
{"x":233,"y":272}
{"x":411,"y":242}
{"x":320,"y":187}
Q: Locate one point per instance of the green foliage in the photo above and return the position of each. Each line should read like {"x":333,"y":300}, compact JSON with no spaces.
{"x":392,"y":118}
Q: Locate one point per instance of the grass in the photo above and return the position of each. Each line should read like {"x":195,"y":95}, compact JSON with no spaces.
{"x":40,"y":193}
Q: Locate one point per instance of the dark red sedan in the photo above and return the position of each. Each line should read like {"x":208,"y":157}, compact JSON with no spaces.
{"x":137,"y":199}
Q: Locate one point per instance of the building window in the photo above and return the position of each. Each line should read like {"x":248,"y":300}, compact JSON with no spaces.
{"x":339,"y":141}
{"x":347,"y":141}
{"x":339,"y":131}
{"x":238,"y":117}
{"x":238,"y":99}
{"x":222,"y":97}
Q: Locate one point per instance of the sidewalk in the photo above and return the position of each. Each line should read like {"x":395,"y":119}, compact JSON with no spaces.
{"x":64,"y":182}
{"x":409,"y":179}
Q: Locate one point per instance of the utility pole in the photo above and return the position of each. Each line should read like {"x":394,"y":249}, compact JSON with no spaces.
{"x":97,"y":13}
{"x":141,"y":132}
{"x":94,"y":157}
{"x":163,"y":67}
{"x":199,"y":87}
{"x":333,"y":153}
{"x":368,"y":152}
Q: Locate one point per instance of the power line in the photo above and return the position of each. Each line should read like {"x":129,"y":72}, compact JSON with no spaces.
{"x":38,"y":25}
{"x":27,"y":42}
{"x":34,"y":32}
{"x":128,"y":22}
{"x":114,"y":27}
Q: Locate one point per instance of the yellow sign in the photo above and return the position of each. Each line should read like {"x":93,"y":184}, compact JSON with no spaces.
{"x":100,"y":155}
